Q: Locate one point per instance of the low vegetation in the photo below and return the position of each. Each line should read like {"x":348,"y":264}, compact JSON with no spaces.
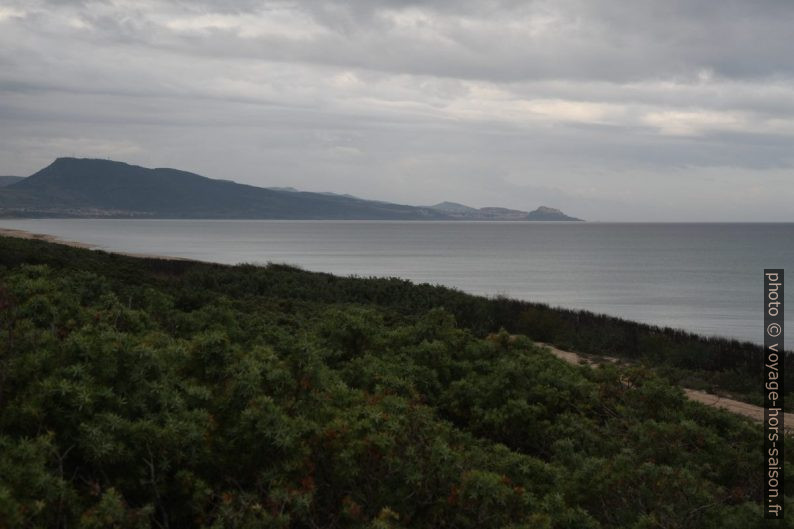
{"x":153,"y":393}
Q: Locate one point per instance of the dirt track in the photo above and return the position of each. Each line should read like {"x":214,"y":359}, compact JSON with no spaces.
{"x":734,"y":406}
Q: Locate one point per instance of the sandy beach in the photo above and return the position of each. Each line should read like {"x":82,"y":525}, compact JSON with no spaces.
{"x":22,"y":234}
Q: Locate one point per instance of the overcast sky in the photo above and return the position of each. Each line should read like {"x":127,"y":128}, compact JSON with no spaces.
{"x":607,"y":109}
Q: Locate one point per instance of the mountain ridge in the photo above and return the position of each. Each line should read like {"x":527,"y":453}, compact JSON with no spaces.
{"x":8,"y":180}
{"x":82,"y":187}
{"x":463,"y":212}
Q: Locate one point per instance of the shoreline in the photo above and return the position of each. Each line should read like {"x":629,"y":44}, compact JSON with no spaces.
{"x":709,"y":399}
{"x":29,"y":235}
{"x":556,"y":305}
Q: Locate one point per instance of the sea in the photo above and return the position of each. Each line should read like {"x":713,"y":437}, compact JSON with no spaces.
{"x":705,"y":278}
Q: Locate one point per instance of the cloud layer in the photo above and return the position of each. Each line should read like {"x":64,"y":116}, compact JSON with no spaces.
{"x":611,"y":110}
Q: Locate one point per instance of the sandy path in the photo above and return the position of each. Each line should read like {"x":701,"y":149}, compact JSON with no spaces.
{"x":576,"y":358}
{"x":734,"y":406}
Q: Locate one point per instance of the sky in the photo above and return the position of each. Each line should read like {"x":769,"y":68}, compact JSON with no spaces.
{"x":668,"y":110}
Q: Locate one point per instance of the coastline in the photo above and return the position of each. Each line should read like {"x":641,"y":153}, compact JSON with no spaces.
{"x":733,"y":406}
{"x":23,"y":234}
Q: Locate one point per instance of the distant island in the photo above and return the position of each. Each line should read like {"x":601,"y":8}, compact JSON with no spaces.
{"x":77,"y":187}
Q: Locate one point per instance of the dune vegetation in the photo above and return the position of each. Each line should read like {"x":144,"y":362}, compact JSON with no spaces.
{"x":164,"y":393}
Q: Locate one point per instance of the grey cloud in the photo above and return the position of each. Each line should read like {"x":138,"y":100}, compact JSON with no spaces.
{"x":605,"y":107}
{"x":575,"y":39}
{"x":585,"y":39}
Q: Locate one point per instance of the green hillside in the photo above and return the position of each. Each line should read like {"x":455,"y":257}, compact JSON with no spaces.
{"x":84,"y":187}
{"x":153,"y":393}
{"x":8,"y":180}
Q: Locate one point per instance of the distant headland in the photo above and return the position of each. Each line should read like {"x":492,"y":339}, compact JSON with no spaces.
{"x":93,"y":188}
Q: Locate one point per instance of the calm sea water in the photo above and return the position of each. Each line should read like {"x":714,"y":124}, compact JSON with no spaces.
{"x":706,"y":278}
